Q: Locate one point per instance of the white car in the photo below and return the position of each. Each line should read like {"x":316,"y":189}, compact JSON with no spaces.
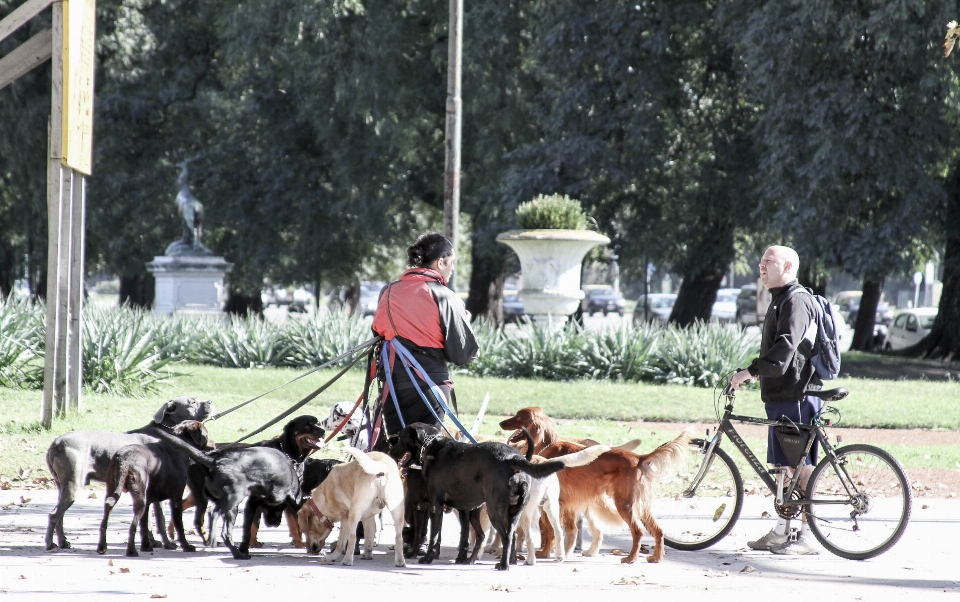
{"x":725,"y":307}
{"x":909,"y":326}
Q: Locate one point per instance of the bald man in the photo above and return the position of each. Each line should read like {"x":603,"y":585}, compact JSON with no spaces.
{"x":785,"y":373}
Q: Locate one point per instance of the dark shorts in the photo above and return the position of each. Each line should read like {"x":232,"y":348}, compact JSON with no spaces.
{"x":802,"y":412}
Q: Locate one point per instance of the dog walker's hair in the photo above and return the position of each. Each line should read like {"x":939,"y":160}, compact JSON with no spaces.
{"x":428,"y":248}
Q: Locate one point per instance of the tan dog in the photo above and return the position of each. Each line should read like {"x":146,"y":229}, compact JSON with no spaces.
{"x":354,"y":492}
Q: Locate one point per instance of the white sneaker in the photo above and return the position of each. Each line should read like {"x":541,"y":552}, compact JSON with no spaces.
{"x":768,"y":541}
{"x":798,"y":547}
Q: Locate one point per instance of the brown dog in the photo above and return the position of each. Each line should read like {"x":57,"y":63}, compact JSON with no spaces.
{"x":628,"y":479}
{"x":541,"y":429}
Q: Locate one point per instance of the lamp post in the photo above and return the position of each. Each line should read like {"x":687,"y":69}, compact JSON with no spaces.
{"x":451,"y":172}
{"x":917,"y":279}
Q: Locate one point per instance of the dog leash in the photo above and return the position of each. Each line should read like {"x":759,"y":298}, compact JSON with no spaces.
{"x":343,"y":355}
{"x":309,"y":397}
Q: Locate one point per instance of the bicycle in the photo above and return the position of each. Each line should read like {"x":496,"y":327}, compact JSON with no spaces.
{"x":857,"y":503}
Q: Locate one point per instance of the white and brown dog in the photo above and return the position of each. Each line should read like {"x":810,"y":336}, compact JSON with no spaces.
{"x":354,"y":492}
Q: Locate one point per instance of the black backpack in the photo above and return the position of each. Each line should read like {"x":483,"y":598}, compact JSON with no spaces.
{"x":826,"y":346}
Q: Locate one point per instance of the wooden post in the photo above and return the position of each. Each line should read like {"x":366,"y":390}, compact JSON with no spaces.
{"x":451,"y":173}
{"x":54,"y":377}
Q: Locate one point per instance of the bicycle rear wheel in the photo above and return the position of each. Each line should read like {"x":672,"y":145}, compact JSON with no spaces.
{"x":869,"y":505}
{"x":697,"y":520}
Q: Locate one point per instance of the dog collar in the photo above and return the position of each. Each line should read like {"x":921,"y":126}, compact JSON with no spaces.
{"x":423,"y":450}
{"x":323,"y":519}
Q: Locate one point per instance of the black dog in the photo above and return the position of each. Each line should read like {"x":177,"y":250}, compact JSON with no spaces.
{"x":152,"y":473}
{"x":76,"y":458}
{"x":268,"y":478}
{"x":300,"y":437}
{"x":466,"y":476}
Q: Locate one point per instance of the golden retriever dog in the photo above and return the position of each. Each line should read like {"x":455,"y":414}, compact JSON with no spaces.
{"x":541,"y":429}
{"x":626,"y":478}
{"x":354,"y":492}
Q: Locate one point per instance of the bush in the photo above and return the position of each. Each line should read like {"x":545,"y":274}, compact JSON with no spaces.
{"x":124,"y":349}
{"x":326,"y":336}
{"x":21,"y":342}
{"x":701,"y":354}
{"x":553,"y":211}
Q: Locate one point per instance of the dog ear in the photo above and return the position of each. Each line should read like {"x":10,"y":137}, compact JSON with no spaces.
{"x":165,"y":410}
{"x":392,"y":440}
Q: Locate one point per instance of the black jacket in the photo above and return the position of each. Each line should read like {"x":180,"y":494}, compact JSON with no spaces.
{"x":783,"y":367}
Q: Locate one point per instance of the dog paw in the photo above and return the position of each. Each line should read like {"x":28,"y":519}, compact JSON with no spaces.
{"x":169,"y":546}
{"x":654,"y":558}
{"x":346,"y":562}
{"x":132,"y":553}
{"x":425,"y":560}
{"x":189,"y":548}
{"x":241,"y":556}
{"x":298,"y":544}
{"x":256,"y":544}
{"x":628,"y":560}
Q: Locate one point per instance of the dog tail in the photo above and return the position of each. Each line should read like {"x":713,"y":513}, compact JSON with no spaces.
{"x":662,"y":459}
{"x":581,"y":458}
{"x":367,"y":464}
{"x":537,"y":471}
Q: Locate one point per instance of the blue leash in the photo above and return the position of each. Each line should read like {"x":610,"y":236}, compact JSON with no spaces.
{"x":408,"y":360}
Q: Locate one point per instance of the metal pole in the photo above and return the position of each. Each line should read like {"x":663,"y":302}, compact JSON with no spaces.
{"x":75,"y":302}
{"x":451,"y":172}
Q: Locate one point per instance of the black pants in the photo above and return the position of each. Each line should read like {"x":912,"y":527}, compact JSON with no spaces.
{"x":413,"y":407}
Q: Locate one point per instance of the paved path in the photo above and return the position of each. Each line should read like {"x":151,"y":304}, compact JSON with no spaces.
{"x":924,"y":565}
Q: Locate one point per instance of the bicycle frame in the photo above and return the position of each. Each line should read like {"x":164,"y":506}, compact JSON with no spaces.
{"x":782,"y":497}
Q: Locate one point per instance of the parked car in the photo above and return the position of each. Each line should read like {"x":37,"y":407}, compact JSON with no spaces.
{"x":748,"y":313}
{"x":512,"y":306}
{"x":658,"y":307}
{"x":909,"y":326}
{"x":604,"y":300}
{"x":370,"y":296}
{"x":725,"y":307}
{"x":848,"y":304}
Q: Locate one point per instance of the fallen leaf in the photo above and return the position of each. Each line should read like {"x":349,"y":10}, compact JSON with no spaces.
{"x":575,"y":571}
{"x":124,"y":569}
{"x":924,"y":507}
{"x":92,"y":496}
{"x":630,"y":580}
{"x":616,"y":552}
{"x":644,"y":549}
{"x":747,"y":569}
{"x":110,"y":563}
{"x":24,"y":500}
{"x":159,"y":596}
{"x":24,"y":473}
{"x":712,"y":573}
{"x":23,"y":576}
{"x":765,"y":514}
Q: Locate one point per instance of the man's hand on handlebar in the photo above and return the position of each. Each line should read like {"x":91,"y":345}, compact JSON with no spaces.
{"x":738,"y":379}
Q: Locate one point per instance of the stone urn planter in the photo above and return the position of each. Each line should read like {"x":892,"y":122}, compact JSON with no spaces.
{"x":550,"y":261}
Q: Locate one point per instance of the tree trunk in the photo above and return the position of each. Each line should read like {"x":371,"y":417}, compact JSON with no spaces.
{"x":867,"y":314}
{"x":243,"y":305}
{"x":137,"y":290}
{"x":696,"y":297}
{"x":486,"y":287}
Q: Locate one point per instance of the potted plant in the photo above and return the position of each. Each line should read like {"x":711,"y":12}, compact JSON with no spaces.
{"x":551,"y":243}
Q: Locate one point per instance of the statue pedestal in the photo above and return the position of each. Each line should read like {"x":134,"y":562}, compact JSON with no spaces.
{"x":188,"y":284}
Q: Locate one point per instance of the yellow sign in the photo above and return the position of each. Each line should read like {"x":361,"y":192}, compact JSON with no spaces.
{"x":79,"y":38}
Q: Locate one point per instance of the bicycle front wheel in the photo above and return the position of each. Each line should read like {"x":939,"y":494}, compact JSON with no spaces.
{"x":867,"y":502}
{"x":694,"y":520}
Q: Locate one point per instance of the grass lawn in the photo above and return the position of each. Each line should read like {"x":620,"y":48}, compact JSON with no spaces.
{"x":598,"y":407}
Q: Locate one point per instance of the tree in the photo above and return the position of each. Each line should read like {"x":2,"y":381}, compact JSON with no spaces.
{"x":645,"y":122}
{"x":851,"y":129}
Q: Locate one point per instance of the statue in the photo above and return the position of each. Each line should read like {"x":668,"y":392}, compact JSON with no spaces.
{"x":191,"y":216}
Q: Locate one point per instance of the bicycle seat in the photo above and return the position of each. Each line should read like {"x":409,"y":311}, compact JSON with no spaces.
{"x":828,"y":394}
